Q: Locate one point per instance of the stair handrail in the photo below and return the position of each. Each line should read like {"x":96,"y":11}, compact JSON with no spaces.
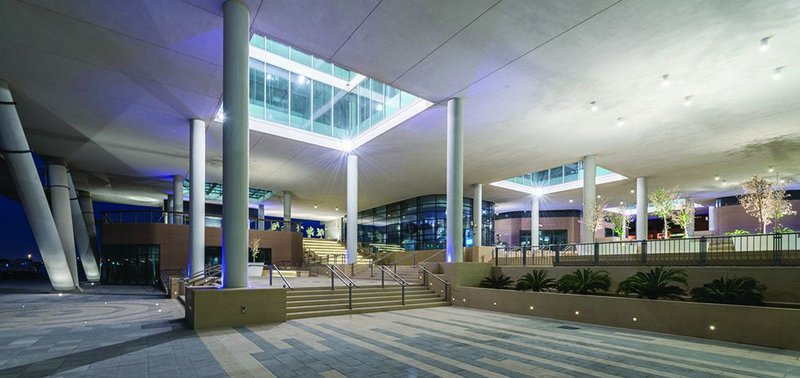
{"x":398,"y":279}
{"x":426,"y":273}
{"x":432,"y":256}
{"x":275,"y":268}
{"x":335,"y":271}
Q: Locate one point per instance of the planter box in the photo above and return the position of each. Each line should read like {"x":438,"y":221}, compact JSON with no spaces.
{"x":757,"y":325}
{"x":255,"y":269}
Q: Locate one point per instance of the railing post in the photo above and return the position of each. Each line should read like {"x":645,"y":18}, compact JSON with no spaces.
{"x":776,"y":249}
{"x":382,"y":282}
{"x":703,"y":250}
{"x":402,"y":294}
{"x":350,"y":296}
{"x":525,"y":255}
{"x":446,"y":291}
{"x":332,"y":274}
{"x":596,"y":253}
{"x":372,"y":269}
{"x":496,"y":255}
{"x":557,"y":257}
{"x":644,"y":252}
{"x":270,"y":274}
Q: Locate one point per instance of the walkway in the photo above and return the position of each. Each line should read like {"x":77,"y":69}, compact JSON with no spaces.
{"x":119,"y":331}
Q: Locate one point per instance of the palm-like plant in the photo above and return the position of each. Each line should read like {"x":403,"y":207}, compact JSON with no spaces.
{"x":499,"y":282}
{"x":584,"y":282}
{"x":537,"y":280}
{"x":657,"y":283}
{"x":731,"y":290}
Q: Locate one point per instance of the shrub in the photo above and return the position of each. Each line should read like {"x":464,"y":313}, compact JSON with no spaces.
{"x":537,"y":280}
{"x":584,"y":282}
{"x":500,"y":282}
{"x":657,"y":283}
{"x":731,"y":290}
{"x":738,"y":232}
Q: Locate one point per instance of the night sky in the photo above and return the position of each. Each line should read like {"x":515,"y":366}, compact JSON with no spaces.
{"x":15,"y":232}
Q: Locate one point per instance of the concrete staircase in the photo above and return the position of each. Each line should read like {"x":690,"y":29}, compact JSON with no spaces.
{"x":331,"y":251}
{"x":321,"y":301}
{"x":409,"y":273}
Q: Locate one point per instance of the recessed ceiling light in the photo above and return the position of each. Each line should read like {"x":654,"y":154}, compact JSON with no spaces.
{"x":725,"y":183}
{"x":633,"y":191}
{"x":598,"y":196}
{"x":315,"y":205}
{"x":771,"y":169}
{"x":337,"y":209}
{"x":765,"y":44}
{"x":716,"y":178}
{"x":778,"y":72}
{"x":621,"y":202}
{"x":665,"y":80}
{"x":687,"y":101}
{"x":593,"y":106}
{"x":783,"y":181}
{"x":570,"y":201}
{"x":620,"y":121}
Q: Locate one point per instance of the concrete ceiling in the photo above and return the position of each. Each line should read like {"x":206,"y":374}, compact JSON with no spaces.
{"x":111,"y":85}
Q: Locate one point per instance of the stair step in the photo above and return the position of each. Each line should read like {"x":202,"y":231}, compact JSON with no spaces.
{"x":318,"y":313}
{"x":323,"y":301}
{"x":293,"y":295}
{"x":374,"y":303}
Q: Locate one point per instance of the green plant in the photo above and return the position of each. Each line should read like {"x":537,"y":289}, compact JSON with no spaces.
{"x":537,"y":280}
{"x":657,"y":283}
{"x":731,"y":290}
{"x":620,"y":220}
{"x":662,"y":201}
{"x":783,"y":230}
{"x":765,"y":202}
{"x":584,"y":282}
{"x":738,"y":232}
{"x":500,"y":282}
{"x":683,"y":216}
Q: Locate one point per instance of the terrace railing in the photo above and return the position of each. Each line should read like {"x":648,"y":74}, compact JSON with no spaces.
{"x":171,"y":217}
{"x":728,"y":250}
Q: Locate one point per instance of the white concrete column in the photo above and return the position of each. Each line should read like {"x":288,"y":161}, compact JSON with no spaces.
{"x":477,"y":214}
{"x":455,"y":181}
{"x":62,"y":214}
{"x":14,"y":146}
{"x":87,"y":208}
{"x":712,"y":219}
{"x":589,"y":197}
{"x":261,"y":213}
{"x":641,"y":208}
{"x":170,"y":209}
{"x":82,"y":241}
{"x":197,"y":196}
{"x":690,"y":227}
{"x":535,"y":220}
{"x":352,"y":208}
{"x":177,"y":199}
{"x":235,"y":143}
{"x":287,"y":208}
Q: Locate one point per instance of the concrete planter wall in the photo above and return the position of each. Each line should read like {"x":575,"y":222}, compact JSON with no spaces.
{"x":255,"y":269}
{"x":766,"y":326}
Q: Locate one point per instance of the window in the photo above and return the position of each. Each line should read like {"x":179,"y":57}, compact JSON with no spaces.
{"x":257,"y":88}
{"x":323,"y":108}
{"x":301,"y":102}
{"x":277,"y":96}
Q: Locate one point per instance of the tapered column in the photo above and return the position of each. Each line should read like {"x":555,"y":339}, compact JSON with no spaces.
{"x":87,"y":208}
{"x":589,"y":197}
{"x":197,"y":196}
{"x":287,"y":208}
{"x":170,"y":209}
{"x":641,"y":208}
{"x":177,"y":198}
{"x":455,"y":181}
{"x":235,"y":143}
{"x":352,"y":208}
{"x":261,"y":213}
{"x":690,"y":226}
{"x":712,"y":219}
{"x":477,"y":214}
{"x":62,"y":214}
{"x":14,"y":146}
{"x":534,"y":220}
{"x":82,"y":241}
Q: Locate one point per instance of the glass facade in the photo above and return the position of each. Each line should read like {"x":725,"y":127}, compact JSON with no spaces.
{"x":419,"y":223}
{"x":320,"y":106}
{"x":130,"y":264}
{"x":557,"y":175}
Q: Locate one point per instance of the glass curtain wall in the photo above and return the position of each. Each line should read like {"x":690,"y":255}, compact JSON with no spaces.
{"x":419,"y":223}
{"x":292,"y":99}
{"x":130,"y":264}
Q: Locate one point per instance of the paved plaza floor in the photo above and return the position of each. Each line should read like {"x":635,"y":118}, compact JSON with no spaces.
{"x":136,"y":332}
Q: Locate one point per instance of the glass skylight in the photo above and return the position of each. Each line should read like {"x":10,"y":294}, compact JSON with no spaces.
{"x":556,"y":179}
{"x":307,"y":98}
{"x":214,"y":192}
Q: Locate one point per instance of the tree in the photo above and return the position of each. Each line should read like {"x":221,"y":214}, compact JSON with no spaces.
{"x":764,"y":202}
{"x":596,"y":218}
{"x":683,"y":216}
{"x":255,"y":249}
{"x":662,"y":201}
{"x":657,"y":283}
{"x":620,"y":220}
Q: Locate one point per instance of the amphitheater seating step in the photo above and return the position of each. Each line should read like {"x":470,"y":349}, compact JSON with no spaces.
{"x":322,"y":301}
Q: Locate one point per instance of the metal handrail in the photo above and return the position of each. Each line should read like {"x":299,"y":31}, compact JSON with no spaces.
{"x":397,"y":279}
{"x":335,"y":271}
{"x":426,"y":272}
{"x":275,"y":268}
{"x":432,"y":256}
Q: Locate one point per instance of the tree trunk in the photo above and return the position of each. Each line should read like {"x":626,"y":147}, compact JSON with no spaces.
{"x":666,"y":234}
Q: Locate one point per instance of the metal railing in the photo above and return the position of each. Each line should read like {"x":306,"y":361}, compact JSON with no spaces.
{"x":337,"y":273}
{"x":384,"y":271}
{"x":273,"y":267}
{"x":426,"y":283}
{"x":726,"y":250}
